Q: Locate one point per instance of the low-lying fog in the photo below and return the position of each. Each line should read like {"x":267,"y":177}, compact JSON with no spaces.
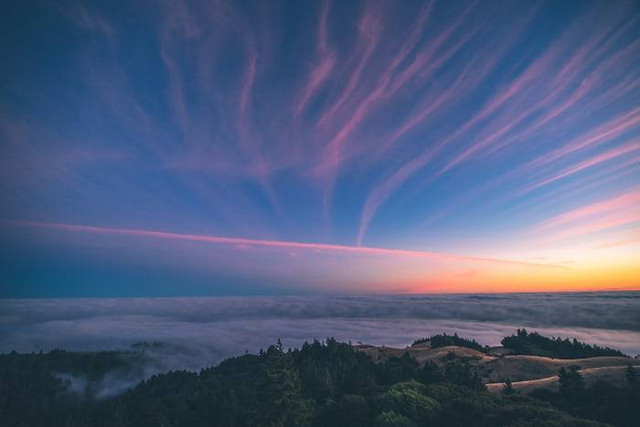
{"x":199,"y":332}
{"x":210,"y":329}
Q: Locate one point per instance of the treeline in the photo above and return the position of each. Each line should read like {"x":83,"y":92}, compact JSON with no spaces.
{"x":319,"y":384}
{"x":444,"y":340}
{"x":535,"y":344}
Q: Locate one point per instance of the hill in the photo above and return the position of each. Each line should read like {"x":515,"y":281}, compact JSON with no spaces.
{"x":533,"y":343}
{"x":321,"y":383}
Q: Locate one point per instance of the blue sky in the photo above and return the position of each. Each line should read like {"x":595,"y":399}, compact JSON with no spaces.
{"x":294,"y":147}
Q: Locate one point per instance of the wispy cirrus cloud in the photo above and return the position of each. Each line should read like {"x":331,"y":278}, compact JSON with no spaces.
{"x":326,"y":60}
{"x":83,"y":15}
{"x":601,"y":215}
{"x":499,"y":126}
{"x":593,"y":161}
{"x":435,"y":124}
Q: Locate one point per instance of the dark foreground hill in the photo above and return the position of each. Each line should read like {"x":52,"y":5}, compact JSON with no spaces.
{"x":322,"y":383}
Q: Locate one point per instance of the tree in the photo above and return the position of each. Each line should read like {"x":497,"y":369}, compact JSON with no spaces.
{"x":397,"y":369}
{"x":571,"y":381}
{"x":351,"y":410}
{"x":463,"y":374}
{"x":430,"y":373}
{"x":408,"y":400}
{"x":280,"y":390}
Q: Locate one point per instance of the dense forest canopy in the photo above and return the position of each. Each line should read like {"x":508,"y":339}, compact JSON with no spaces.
{"x":321,"y":383}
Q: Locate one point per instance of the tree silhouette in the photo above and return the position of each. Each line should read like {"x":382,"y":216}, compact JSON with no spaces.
{"x":571,"y":381}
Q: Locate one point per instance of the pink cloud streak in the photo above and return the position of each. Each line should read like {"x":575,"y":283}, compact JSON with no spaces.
{"x":605,"y":132}
{"x":368,"y":29}
{"x":326,"y":62}
{"x":383,"y":190}
{"x":596,"y":45}
{"x":608,"y":213}
{"x":594,"y":161}
{"x":287,"y":245}
{"x":609,"y":221}
{"x":569,"y":72}
{"x":392,"y":80}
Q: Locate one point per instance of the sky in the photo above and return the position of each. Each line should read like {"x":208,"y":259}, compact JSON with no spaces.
{"x":167,"y":148}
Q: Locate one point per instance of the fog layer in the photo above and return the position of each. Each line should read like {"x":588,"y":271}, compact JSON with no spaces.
{"x":203,"y":331}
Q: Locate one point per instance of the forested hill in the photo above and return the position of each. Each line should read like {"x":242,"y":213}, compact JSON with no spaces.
{"x":321,"y":383}
{"x":535,"y":344}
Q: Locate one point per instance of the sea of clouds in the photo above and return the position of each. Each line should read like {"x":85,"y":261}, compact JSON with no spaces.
{"x":200,"y":332}
{"x":220,"y":327}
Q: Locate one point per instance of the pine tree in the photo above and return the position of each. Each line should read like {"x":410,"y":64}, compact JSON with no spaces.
{"x":571,"y":381}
